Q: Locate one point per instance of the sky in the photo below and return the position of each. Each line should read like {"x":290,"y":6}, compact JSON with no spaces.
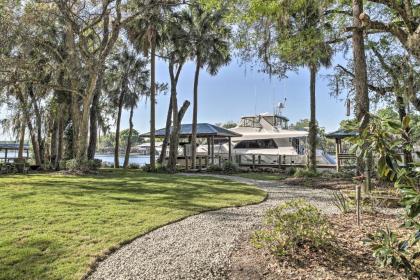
{"x":239,"y":91}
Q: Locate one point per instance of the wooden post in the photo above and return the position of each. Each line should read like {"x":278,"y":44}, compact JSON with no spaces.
{"x":207,"y":161}
{"x":253,"y":161}
{"x":259,"y":159}
{"x":208,"y":147}
{"x":368,"y":183}
{"x":220,"y":161}
{"x":27,"y":153}
{"x":358,"y":198}
{"x":199,"y":163}
{"x":279,"y":162}
{"x":186,"y":158}
{"x":337,"y":152}
{"x":230,"y":149}
{"x":5,"y":154}
{"x":239,"y":159}
{"x":212,"y":150}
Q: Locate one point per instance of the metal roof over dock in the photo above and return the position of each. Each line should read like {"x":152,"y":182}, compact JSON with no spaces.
{"x":12,"y":146}
{"x":203,"y":130}
{"x":341,"y":134}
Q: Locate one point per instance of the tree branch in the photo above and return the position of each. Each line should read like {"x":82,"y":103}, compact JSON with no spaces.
{"x":380,"y":90}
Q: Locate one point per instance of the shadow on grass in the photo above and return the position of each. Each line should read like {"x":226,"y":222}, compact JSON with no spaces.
{"x":176,"y":191}
{"x":31,"y":259}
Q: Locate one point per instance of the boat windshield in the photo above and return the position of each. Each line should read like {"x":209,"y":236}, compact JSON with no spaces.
{"x":276,"y":121}
{"x":250,"y":122}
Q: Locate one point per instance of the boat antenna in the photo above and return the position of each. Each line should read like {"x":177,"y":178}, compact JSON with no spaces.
{"x":255,"y":103}
{"x":273,"y":100}
{"x":280,"y":107}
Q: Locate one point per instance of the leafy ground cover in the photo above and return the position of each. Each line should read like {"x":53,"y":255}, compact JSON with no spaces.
{"x":348,"y":257}
{"x":54,"y":226}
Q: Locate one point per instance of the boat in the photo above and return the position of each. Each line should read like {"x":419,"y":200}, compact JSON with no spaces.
{"x":144,"y":148}
{"x":267,"y":138}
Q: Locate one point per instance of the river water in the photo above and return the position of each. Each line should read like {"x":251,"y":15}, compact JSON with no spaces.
{"x":138,"y":159}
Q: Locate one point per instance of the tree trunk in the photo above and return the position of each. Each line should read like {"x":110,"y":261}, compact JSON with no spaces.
{"x":75,"y":122}
{"x":38,"y":122}
{"x":152,"y":105}
{"x":94,"y":115}
{"x":195,"y":110}
{"x":360,"y":72}
{"x":167,"y":131}
{"x":54,"y":139}
{"x":407,"y":146}
{"x":117,"y":132}
{"x":34,"y":141}
{"x":173,"y":143}
{"x":82,"y":140}
{"x":60,"y":143}
{"x":173,"y":148}
{"x":21,"y":140}
{"x":312,"y":123}
{"x":130,"y":134}
{"x":35,"y":145}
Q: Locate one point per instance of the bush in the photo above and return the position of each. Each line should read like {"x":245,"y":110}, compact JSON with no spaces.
{"x":290,"y":171}
{"x":214,"y":168}
{"x":83,"y":165}
{"x":147,"y":168}
{"x":134,"y":166}
{"x":62,"y":164}
{"x":341,"y":201}
{"x":159,"y":168}
{"x":343,"y":174}
{"x":305,"y":173}
{"x":389,"y":249}
{"x":230,"y":167}
{"x":292,"y":225}
{"x":106,"y":164}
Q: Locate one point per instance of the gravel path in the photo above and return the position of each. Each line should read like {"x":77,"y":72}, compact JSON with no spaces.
{"x":199,"y":247}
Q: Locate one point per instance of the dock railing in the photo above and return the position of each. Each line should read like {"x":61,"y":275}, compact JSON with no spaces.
{"x":251,"y":161}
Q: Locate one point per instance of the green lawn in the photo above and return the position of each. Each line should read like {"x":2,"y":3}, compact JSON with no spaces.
{"x":261,"y":176}
{"x":54,"y":226}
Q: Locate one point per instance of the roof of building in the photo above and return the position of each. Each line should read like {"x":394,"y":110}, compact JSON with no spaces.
{"x":203,"y":130}
{"x":266,"y":115}
{"x":342,"y":133}
{"x":12,"y":146}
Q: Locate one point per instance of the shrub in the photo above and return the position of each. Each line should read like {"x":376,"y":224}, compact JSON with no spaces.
{"x":147,"y":168}
{"x":230,"y":167}
{"x":389,"y":249}
{"x":343,"y":174}
{"x":83,"y":165}
{"x":62,"y":164}
{"x":106,"y":164}
{"x":291,"y":225}
{"x":159,"y":168}
{"x":214,"y":168}
{"x":291,"y":171}
{"x":341,"y":201}
{"x":305,"y":173}
{"x":134,"y":166}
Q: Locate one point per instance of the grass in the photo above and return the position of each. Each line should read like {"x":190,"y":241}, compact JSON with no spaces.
{"x":54,"y":226}
{"x":261,"y":176}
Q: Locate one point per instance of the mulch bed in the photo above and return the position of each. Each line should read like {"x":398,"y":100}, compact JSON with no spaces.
{"x":347,"y":258}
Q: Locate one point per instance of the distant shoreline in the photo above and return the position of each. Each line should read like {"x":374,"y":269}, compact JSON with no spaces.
{"x":112,"y":154}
